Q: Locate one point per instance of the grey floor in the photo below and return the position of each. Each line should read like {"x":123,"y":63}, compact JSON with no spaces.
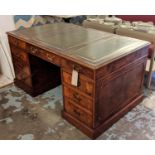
{"x":24,"y":117}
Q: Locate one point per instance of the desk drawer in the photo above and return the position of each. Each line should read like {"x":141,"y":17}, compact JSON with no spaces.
{"x":48,"y":56}
{"x":16,"y":42}
{"x":52,"y":58}
{"x":69,"y":65}
{"x":22,"y":68}
{"x":79,"y":99}
{"x":85,"y":85}
{"x":77,"y":112}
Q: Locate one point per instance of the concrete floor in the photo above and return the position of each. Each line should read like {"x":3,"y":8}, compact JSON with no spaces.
{"x":24,"y":117}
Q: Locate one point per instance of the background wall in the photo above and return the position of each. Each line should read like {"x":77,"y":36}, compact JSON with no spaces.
{"x":6,"y":24}
{"x":10,"y":22}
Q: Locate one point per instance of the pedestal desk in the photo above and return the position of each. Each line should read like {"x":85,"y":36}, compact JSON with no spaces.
{"x":109,"y":71}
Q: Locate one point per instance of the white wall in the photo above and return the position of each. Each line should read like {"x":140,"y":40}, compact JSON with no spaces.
{"x":6,"y":24}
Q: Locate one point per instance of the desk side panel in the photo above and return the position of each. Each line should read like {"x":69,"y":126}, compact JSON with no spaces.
{"x":118,"y":89}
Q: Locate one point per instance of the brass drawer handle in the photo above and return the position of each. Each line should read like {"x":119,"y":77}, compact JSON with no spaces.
{"x":77,"y":97}
{"x":33,"y":50}
{"x":49,"y":57}
{"x":76,"y":112}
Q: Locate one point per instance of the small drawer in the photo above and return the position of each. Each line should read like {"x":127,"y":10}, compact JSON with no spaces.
{"x":84,"y":84}
{"x":77,"y":112}
{"x":48,"y":56}
{"x":17,"y":42}
{"x":53,"y":58}
{"x":69,"y":65}
{"x":78,"y":98}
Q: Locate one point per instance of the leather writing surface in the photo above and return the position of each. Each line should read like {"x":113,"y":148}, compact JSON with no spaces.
{"x":88,"y":46}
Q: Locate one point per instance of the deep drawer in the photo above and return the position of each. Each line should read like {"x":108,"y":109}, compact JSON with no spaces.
{"x":78,"y":99}
{"x":77,"y":112}
{"x":69,"y":65}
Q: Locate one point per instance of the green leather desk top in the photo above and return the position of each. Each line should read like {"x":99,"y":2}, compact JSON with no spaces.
{"x":89,"y":46}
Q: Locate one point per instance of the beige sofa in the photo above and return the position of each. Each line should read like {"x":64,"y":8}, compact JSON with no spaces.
{"x":97,"y":26}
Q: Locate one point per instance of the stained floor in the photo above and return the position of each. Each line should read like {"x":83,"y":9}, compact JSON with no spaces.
{"x":24,"y":117}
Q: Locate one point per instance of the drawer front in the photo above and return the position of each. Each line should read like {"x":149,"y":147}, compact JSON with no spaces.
{"x":84,"y":84}
{"x":77,"y":113}
{"x":17,"y":42}
{"x":78,"y":98}
{"x":69,"y":65}
{"x":22,"y":69}
{"x":48,"y":56}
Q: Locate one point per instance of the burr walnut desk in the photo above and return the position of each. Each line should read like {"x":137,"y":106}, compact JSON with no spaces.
{"x":109,"y":71}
